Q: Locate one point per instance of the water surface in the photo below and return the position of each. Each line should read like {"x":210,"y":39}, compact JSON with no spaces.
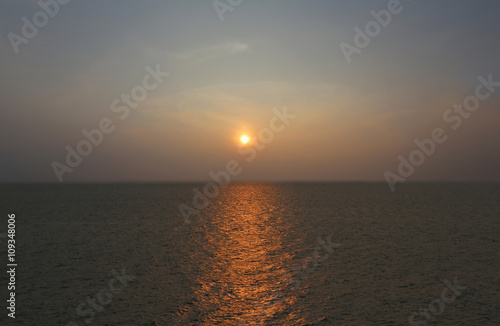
{"x":246,"y":259}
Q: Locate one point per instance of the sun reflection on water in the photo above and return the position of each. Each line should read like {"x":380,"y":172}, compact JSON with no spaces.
{"x":244,"y":280}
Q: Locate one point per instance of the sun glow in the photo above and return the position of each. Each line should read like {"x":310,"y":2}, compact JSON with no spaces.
{"x":244,"y":139}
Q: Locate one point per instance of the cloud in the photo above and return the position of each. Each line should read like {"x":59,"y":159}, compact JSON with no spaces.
{"x":212,"y":52}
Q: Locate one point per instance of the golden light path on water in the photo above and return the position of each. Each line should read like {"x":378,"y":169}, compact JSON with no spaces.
{"x":244,"y":281}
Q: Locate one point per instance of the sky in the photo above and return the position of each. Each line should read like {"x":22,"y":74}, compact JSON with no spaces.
{"x":231,"y":66}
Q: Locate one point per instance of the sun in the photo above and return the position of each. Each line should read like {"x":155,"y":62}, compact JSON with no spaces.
{"x":244,"y":139}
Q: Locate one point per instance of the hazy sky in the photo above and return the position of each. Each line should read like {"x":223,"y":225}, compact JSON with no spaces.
{"x":353,"y":120}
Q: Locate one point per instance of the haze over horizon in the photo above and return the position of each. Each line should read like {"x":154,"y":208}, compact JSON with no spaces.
{"x":352,"y":120}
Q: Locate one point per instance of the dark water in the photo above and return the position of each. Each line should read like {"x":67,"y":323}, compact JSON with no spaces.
{"x":259,"y":254}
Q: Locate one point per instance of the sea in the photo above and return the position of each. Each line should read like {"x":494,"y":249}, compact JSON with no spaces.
{"x":251,"y":253}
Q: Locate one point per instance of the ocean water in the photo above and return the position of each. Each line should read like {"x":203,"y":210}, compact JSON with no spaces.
{"x":258,"y":254}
